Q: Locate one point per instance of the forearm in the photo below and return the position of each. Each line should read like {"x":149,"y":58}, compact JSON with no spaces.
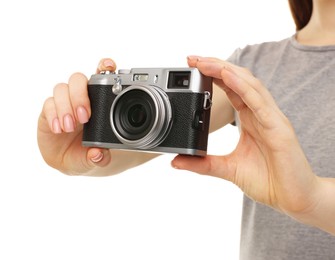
{"x":322,"y":214}
{"x":222,"y":113}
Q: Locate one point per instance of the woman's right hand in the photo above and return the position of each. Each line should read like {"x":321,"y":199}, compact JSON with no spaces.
{"x":60,"y":127}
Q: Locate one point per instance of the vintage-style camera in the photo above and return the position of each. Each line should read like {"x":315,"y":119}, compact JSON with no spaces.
{"x":164,"y":110}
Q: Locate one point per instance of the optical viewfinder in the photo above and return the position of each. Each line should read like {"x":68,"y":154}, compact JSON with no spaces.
{"x":179,"y":79}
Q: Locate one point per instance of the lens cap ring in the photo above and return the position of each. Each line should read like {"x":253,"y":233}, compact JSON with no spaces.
{"x":141,"y":116}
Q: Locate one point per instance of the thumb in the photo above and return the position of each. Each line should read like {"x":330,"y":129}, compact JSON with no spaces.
{"x":216,"y":166}
{"x":98,"y":157}
{"x":106,"y":64}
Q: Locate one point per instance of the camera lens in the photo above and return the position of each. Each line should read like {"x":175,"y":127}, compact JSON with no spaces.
{"x":141,"y":116}
{"x":137,"y":115}
{"x":134,"y":114}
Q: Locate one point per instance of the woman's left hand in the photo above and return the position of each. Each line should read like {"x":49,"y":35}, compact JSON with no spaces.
{"x":268,"y":163}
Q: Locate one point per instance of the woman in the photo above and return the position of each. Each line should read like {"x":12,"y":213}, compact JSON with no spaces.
{"x":283,"y":160}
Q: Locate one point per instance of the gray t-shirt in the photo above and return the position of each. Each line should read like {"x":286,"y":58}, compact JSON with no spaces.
{"x":302,"y":81}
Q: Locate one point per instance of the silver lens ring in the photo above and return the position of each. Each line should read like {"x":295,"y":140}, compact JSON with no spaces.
{"x":161,"y":120}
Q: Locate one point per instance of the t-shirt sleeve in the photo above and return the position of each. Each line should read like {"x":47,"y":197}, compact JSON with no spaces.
{"x":234,"y":57}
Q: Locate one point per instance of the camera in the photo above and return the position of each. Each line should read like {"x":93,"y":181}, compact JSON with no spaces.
{"x":163,"y":110}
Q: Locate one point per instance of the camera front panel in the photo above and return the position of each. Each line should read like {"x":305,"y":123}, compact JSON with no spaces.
{"x":189,"y":132}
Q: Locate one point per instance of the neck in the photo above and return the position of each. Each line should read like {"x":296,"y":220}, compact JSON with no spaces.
{"x":320,"y":30}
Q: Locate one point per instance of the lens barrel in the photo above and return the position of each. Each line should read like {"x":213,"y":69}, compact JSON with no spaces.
{"x":141,"y":116}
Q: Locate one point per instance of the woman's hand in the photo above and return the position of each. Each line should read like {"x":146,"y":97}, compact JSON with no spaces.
{"x":268,"y":163}
{"x":60,"y":126}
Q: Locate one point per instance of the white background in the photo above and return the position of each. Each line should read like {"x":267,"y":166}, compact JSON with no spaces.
{"x":153,"y":211}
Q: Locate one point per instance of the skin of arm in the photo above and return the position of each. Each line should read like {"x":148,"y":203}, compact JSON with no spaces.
{"x":60,"y":127}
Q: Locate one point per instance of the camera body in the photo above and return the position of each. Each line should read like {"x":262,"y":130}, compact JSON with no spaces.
{"x":163,"y":110}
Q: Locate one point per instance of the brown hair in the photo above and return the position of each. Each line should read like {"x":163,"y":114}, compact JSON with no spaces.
{"x":301,"y":11}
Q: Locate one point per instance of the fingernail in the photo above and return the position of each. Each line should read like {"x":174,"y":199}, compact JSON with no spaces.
{"x":82,"y":115}
{"x":109,"y":63}
{"x":68,"y":123}
{"x":98,"y":157}
{"x":193,"y":57}
{"x":174,"y":165}
{"x":56,"y":126}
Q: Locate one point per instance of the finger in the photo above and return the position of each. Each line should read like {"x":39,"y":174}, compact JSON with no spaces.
{"x":237,"y":79}
{"x":192,"y":60}
{"x":78,"y":159}
{"x":50,"y":113}
{"x":64,"y":107}
{"x":213,"y":67}
{"x":249,"y":79}
{"x":209,"y":65}
{"x":98,"y":156}
{"x":234,"y":99}
{"x":106,"y":64}
{"x":242,"y":88}
{"x":206,"y":65}
{"x":217,"y":166}
{"x":79,"y":97}
{"x":259,"y":101}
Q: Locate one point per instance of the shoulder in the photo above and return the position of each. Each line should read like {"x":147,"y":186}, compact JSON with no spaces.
{"x":265,"y":51}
